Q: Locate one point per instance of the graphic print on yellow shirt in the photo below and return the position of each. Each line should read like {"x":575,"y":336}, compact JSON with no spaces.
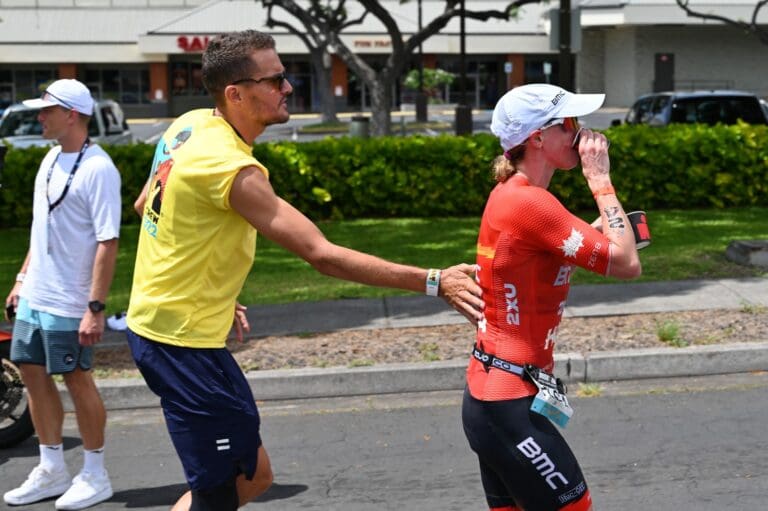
{"x":194,"y":250}
{"x":161,"y":167}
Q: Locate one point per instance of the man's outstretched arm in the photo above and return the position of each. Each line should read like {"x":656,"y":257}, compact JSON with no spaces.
{"x":253,"y":197}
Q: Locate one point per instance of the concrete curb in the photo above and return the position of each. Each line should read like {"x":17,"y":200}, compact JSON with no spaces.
{"x":449,"y":375}
{"x":690,"y":361}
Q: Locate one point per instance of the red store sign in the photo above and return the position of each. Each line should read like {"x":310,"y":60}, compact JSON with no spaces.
{"x":192,"y":43}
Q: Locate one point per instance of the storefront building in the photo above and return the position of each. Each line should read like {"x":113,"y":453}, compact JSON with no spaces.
{"x":146,"y":54}
{"x":630,"y":48}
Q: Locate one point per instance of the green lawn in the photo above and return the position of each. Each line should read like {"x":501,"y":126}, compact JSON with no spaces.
{"x":686,"y":245}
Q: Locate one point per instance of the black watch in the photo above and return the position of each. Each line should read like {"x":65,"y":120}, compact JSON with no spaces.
{"x":96,"y":306}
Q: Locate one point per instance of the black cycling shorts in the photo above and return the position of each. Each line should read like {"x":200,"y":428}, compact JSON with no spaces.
{"x":524,"y":460}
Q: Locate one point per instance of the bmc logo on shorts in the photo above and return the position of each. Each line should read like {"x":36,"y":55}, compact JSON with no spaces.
{"x":541,"y":462}
{"x":69,"y":359}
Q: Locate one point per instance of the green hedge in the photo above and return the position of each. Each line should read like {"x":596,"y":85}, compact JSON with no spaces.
{"x":380,"y":177}
{"x":21,"y":165}
{"x":684,"y":166}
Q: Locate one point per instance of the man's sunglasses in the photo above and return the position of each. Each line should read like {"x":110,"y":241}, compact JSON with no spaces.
{"x":46,"y":95}
{"x":276,"y":80}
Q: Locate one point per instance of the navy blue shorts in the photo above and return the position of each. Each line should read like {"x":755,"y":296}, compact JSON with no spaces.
{"x":209,"y":409}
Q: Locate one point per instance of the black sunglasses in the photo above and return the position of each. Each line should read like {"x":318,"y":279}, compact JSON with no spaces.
{"x":54,"y":96}
{"x":276,"y":80}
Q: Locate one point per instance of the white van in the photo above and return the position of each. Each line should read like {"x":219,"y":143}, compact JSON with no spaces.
{"x":20,"y":128}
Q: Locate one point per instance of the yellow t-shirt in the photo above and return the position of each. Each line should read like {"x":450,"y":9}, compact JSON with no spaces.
{"x":194,"y":250}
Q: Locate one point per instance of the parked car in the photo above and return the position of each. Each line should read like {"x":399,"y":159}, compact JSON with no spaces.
{"x":19,"y":126}
{"x":708,"y":107}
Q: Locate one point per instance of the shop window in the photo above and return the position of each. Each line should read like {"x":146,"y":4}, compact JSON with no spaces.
{"x":131,"y":90}
{"x":6,"y":95}
{"x":541,"y":69}
{"x":187,"y":79}
{"x":6,"y":88}
{"x":30,"y":83}
{"x":128,"y":85}
{"x":482,"y":80}
{"x":299,"y":74}
{"x":110,"y":84}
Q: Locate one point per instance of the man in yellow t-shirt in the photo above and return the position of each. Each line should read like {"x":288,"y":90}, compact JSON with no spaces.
{"x":205,"y":199}
{"x":194,"y":251}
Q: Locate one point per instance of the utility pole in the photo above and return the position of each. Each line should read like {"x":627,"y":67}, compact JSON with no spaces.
{"x":463,"y":111}
{"x":421,"y":97}
{"x":565,"y":60}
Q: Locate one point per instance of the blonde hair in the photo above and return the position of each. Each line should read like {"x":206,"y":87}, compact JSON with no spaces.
{"x":505,"y":165}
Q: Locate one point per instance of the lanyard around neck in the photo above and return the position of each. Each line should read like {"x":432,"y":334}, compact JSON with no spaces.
{"x":52,"y":205}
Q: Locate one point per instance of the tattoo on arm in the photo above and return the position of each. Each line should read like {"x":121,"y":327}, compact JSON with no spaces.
{"x":615,"y":219}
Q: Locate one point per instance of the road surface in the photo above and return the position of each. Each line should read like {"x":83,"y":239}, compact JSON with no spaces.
{"x":666,"y":445}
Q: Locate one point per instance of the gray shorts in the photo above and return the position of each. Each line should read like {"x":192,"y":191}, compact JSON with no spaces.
{"x":45,"y":339}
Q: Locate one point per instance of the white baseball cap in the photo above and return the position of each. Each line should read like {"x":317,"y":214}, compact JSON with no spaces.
{"x":527,"y":108}
{"x":68,"y":93}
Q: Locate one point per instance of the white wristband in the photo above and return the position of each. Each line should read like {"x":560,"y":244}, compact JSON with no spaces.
{"x":20,"y":276}
{"x":433,"y":282}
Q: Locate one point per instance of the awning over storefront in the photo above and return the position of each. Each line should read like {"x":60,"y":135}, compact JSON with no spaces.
{"x":189,"y":32}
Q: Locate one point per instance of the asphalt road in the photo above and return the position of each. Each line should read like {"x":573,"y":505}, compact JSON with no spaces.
{"x":668,"y":445}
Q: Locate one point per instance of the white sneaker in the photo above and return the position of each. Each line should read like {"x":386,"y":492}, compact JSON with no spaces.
{"x":87,"y":489}
{"x":40,"y":484}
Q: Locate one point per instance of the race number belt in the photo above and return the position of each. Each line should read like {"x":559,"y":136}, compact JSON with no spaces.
{"x":550,"y":401}
{"x":489,"y":360}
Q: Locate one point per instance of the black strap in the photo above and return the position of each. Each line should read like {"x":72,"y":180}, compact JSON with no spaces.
{"x":489,"y":360}
{"x":52,"y":206}
{"x":527,"y":372}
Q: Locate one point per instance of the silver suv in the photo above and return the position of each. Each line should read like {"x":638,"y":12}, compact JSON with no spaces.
{"x":708,"y":107}
{"x":19,"y":126}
